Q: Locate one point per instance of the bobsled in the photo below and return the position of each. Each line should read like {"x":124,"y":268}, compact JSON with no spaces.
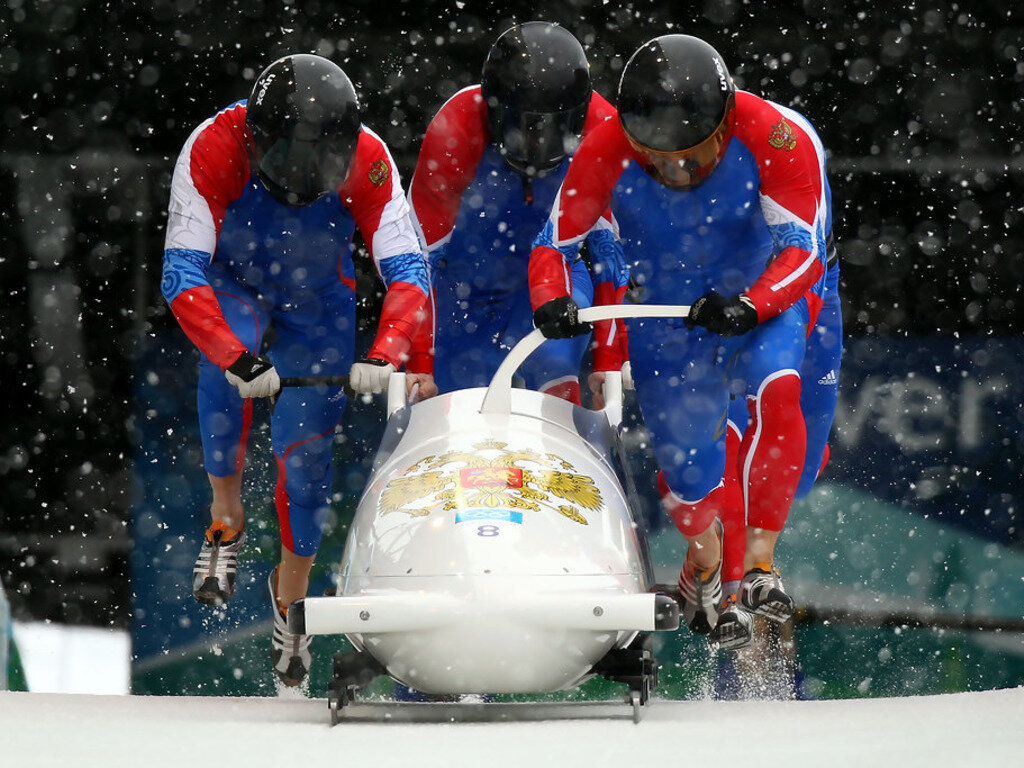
{"x":497,"y":548}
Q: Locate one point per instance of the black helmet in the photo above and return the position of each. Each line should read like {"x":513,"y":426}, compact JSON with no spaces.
{"x":304,"y":119}
{"x":536,"y":83}
{"x":676,"y":105}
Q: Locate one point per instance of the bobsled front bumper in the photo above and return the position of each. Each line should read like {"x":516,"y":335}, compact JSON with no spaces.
{"x":498,"y":642}
{"x":413,"y":611}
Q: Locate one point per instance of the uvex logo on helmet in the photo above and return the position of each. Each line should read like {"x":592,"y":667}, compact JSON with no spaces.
{"x":723,"y":76}
{"x":263,"y":88}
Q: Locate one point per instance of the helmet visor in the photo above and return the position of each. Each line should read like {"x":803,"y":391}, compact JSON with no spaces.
{"x":536,"y":142}
{"x":689,"y":167}
{"x":299,"y":171}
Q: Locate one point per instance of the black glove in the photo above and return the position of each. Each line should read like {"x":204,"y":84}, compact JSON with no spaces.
{"x":726,"y":317}
{"x":559,"y":319}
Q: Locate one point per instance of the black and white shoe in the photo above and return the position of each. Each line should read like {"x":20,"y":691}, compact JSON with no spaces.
{"x":761,"y":592}
{"x":290,"y":654}
{"x":735,"y":628}
{"x":701,"y":591}
{"x":213,"y":577}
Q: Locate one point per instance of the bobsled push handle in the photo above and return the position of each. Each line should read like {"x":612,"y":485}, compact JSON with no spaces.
{"x":612,"y":391}
{"x":396,"y":393}
{"x":498,"y":398}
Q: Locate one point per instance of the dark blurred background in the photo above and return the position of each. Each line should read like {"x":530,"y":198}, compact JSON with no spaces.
{"x":919,"y":108}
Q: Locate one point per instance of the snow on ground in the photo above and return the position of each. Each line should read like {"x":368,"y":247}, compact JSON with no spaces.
{"x":965,"y":729}
{"x":59,"y":658}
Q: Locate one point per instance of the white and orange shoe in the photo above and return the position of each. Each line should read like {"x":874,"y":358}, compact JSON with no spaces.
{"x":290,"y":654}
{"x":213,"y":577}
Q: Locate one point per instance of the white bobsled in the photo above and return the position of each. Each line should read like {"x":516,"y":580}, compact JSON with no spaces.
{"x":494,"y":549}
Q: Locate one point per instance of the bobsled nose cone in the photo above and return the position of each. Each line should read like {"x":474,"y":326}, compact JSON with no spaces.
{"x":297,"y":617}
{"x":666,"y":613}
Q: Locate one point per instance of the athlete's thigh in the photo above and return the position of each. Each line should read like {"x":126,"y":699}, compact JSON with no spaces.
{"x":223,"y":415}
{"x":774,"y":348}
{"x":680,"y":386}
{"x":820,"y":371}
{"x":312,"y":338}
{"x":819,"y":391}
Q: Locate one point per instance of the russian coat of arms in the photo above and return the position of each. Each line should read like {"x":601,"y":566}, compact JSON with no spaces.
{"x":781,"y":136}
{"x":492,"y":475}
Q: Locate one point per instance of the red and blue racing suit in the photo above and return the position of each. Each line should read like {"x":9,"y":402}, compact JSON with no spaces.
{"x":237,"y":263}
{"x":477,"y":218}
{"x":819,"y":394}
{"x":756,"y":226}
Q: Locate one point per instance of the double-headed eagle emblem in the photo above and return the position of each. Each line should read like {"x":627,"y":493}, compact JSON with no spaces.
{"x":492,"y":476}
{"x":781,"y":136}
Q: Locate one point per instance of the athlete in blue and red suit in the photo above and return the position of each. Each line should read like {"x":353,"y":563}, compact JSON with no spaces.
{"x":265,"y":198}
{"x":819,"y":392}
{"x":707,"y":184}
{"x":491,"y":162}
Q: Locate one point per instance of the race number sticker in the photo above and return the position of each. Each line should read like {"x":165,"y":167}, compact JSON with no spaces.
{"x":503,"y":515}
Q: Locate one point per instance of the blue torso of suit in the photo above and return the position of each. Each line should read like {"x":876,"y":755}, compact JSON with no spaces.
{"x":282,"y":251}
{"x":680,"y":244}
{"x":494,"y":231}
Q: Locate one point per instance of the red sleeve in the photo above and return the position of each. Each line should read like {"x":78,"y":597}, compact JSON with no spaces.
{"x":791,"y":167}
{"x":421,"y":356}
{"x":790,"y":275}
{"x":609,"y":352}
{"x":584,"y":195}
{"x":587,"y":189}
{"x":403,"y":311}
{"x":449,"y":156}
{"x":373,"y":194}
{"x":219,"y":161}
{"x":198,"y":313}
{"x":211,"y":173}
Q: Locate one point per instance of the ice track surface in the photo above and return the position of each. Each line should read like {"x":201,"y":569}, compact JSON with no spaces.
{"x":965,"y":729}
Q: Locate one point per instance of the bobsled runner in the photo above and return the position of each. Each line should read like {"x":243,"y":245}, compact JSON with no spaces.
{"x":497,"y":548}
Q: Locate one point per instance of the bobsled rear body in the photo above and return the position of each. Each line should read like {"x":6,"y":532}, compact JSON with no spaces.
{"x":491,"y":552}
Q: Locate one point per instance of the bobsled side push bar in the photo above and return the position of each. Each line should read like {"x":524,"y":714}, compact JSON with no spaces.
{"x":313,"y":381}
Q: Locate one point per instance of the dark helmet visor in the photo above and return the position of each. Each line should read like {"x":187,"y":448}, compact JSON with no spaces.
{"x":536,"y":142}
{"x":303,"y":170}
{"x":687,"y":168}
